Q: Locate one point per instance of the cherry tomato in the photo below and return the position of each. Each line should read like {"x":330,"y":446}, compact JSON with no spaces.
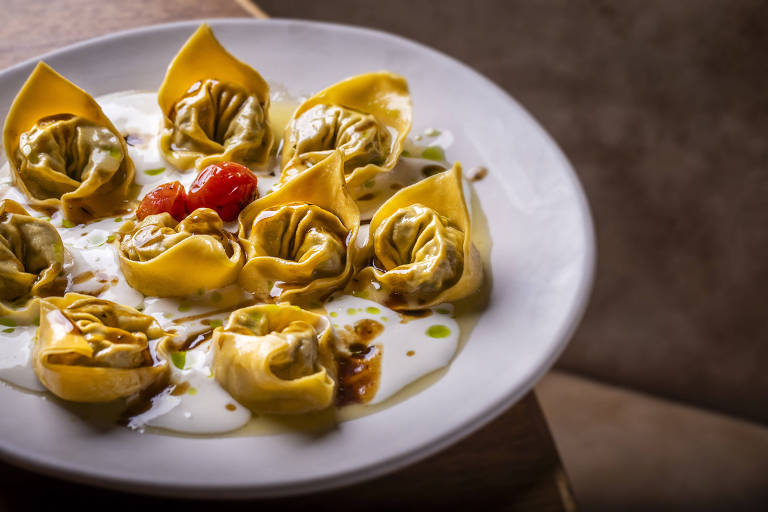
{"x":168,"y":197}
{"x":226,"y":187}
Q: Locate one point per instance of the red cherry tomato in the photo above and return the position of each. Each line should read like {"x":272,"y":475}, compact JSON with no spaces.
{"x":169,"y":197}
{"x":226,"y":187}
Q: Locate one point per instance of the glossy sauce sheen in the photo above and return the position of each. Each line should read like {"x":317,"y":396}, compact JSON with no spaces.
{"x":385,"y":355}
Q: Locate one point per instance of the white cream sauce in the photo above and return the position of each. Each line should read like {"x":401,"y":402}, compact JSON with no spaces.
{"x":203,"y":406}
{"x":408,"y":350}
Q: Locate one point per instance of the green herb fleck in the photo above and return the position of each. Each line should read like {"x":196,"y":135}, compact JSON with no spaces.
{"x":372,"y":310}
{"x":192,"y":391}
{"x":154,"y":172}
{"x":432,"y":132}
{"x":7,"y":322}
{"x":184,"y":307}
{"x":406,"y":154}
{"x":115,"y":153}
{"x":433,"y":153}
{"x":351,"y":311}
{"x":216,"y":323}
{"x":67,"y":224}
{"x":369,"y":183}
{"x":334,"y":314}
{"x":179,"y":359}
{"x":438,"y":331}
{"x":118,"y":219}
{"x":9,"y":330}
{"x":443,"y":311}
{"x":36,"y":322}
{"x":110,"y":239}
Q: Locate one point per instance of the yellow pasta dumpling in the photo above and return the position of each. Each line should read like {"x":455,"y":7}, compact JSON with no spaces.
{"x":94,"y":350}
{"x":165,"y":258}
{"x":63,"y":151}
{"x":419,"y":251}
{"x":215,"y":107}
{"x":276,"y":359}
{"x":366,"y":117}
{"x":299,"y":239}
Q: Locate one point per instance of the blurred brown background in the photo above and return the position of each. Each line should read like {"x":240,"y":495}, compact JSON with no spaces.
{"x":662,"y":107}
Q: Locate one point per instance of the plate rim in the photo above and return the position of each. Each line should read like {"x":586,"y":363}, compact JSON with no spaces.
{"x":385,"y":465}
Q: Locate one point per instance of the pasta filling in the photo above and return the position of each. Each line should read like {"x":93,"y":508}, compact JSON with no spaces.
{"x":360,"y":137}
{"x":61,"y":152}
{"x":158,"y":233}
{"x":31,"y":254}
{"x":118,"y":338}
{"x":220,"y":118}
{"x":419,"y":251}
{"x":304,"y":234}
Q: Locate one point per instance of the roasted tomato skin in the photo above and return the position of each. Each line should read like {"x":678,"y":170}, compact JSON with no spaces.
{"x":226,"y":187}
{"x":168,"y":197}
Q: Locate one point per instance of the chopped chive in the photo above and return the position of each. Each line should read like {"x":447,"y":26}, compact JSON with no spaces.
{"x":110,"y":239}
{"x":9,"y":330}
{"x":443,"y":311}
{"x":192,"y":391}
{"x":7,"y":322}
{"x":370,"y":183}
{"x":36,"y":322}
{"x":216,"y":323}
{"x":372,"y":310}
{"x":118,"y":219}
{"x":432,"y":132}
{"x":351,"y":311}
{"x":406,"y":154}
{"x":334,"y":314}
{"x":115,"y":153}
{"x":183,"y":307}
{"x":67,"y":224}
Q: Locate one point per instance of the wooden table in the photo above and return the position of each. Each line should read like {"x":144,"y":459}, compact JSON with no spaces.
{"x":511,"y":464}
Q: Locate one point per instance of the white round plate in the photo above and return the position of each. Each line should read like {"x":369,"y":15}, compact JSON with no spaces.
{"x":542,"y":263}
